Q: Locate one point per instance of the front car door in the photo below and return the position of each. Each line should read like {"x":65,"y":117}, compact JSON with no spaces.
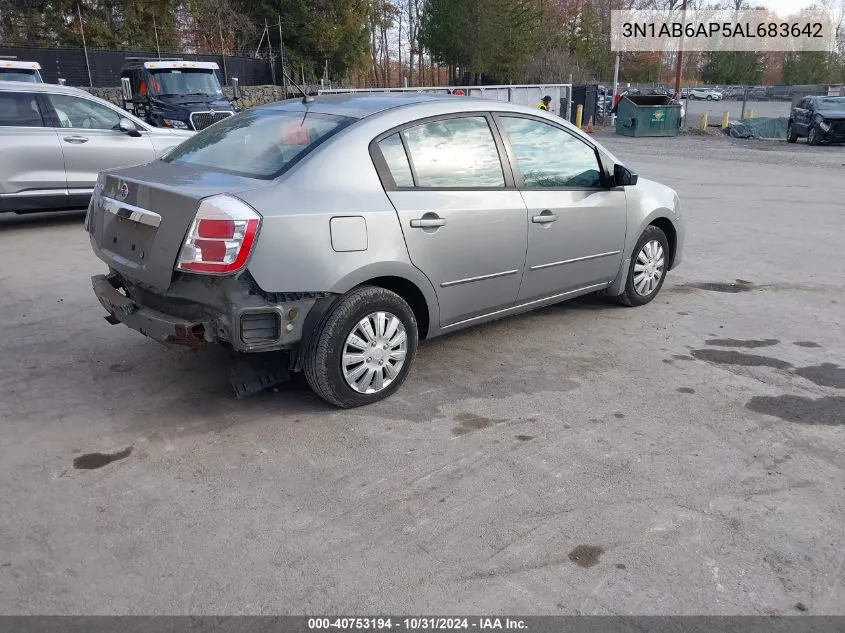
{"x":91,"y":140}
{"x":576,"y":224}
{"x":32,"y":168}
{"x":463,"y":221}
{"x":800,"y":117}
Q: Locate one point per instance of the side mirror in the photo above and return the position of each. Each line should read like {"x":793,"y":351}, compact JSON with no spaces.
{"x":62,"y":82}
{"x":128,"y":126}
{"x":623,"y":177}
{"x":236,"y":89}
{"x":126,"y":88}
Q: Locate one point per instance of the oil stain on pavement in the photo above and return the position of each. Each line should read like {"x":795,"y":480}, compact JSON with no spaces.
{"x":585,"y":555}
{"x":829,"y":410}
{"x":727,"y":357}
{"x":806,"y":344}
{"x":732,"y":342}
{"x":741,"y":285}
{"x":824,"y":375}
{"x":469,"y":422}
{"x":92,"y":461}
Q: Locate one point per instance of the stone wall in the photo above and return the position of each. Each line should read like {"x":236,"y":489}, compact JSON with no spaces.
{"x":251,"y":96}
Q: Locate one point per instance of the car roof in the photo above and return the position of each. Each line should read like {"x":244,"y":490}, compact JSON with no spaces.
{"x":19,"y":86}
{"x":360,"y":105}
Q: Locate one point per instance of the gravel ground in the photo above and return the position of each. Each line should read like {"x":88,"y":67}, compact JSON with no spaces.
{"x":686,"y":457}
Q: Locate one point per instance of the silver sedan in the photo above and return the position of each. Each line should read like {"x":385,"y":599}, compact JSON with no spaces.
{"x":330,"y":236}
{"x":55,"y":139}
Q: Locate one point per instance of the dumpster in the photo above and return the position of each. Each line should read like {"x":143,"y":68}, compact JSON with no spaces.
{"x":648,"y":115}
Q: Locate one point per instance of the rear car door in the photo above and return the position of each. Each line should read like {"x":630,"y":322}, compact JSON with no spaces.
{"x":576,"y":225}
{"x":462,"y":218}
{"x":32,"y":168}
{"x":91,"y":140}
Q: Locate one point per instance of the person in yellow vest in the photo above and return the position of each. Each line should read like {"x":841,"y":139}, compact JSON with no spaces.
{"x":544,"y":104}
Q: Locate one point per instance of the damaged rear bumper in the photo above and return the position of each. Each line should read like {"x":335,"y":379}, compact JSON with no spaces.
{"x":152,"y":323}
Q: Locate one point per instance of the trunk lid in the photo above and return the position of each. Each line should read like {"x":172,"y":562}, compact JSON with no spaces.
{"x":139,"y":218}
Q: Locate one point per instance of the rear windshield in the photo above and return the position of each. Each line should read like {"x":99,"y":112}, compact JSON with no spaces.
{"x":260,"y":143}
{"x":831,"y":103}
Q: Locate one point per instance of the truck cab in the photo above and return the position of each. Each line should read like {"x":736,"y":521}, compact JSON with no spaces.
{"x":11,"y":69}
{"x":184,"y":95}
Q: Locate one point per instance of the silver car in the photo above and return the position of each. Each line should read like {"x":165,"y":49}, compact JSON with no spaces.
{"x":338,"y":233}
{"x":55,"y":140}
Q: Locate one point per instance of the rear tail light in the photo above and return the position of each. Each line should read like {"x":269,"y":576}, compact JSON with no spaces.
{"x":221,"y":237}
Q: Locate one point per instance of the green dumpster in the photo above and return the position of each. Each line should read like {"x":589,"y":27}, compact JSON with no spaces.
{"x":648,"y":115}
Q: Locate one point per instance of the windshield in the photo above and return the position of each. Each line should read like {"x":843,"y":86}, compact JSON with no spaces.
{"x":20,"y":74}
{"x":257,"y":143}
{"x":185,"y":82}
{"x":831,"y":103}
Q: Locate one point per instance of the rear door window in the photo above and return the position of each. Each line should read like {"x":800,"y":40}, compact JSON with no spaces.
{"x":20,"y":109}
{"x":397,"y":160}
{"x":454,"y":153}
{"x":259,"y":143}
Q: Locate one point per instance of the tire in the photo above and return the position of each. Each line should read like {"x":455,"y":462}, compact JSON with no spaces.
{"x":710,"y":97}
{"x":814,"y":137}
{"x":324,"y":356}
{"x":791,"y":136}
{"x":631,"y":296}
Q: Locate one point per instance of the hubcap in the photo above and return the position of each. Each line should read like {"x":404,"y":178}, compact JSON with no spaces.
{"x":648,"y":268}
{"x":374,"y":352}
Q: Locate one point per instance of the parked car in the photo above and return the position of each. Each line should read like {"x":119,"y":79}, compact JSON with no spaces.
{"x":685,"y":93}
{"x":55,"y":140}
{"x":820,"y":119}
{"x":338,"y":233}
{"x":705,"y":93}
{"x":11,"y":69}
{"x":184,"y":95}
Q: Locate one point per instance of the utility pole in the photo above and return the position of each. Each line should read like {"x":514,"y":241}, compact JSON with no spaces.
{"x":282,"y":53}
{"x":270,"y":51}
{"x":155,"y":30}
{"x":222,"y":51}
{"x":84,"y":46}
{"x":680,"y":61}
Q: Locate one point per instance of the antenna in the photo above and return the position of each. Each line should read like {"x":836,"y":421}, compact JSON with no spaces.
{"x":306,"y":98}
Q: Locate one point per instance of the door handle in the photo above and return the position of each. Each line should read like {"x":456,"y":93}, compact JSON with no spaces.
{"x":76,"y":139}
{"x":427,"y":223}
{"x":546,"y":217}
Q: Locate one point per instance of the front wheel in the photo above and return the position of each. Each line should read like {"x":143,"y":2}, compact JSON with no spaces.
{"x":648,"y":268}
{"x":791,"y":136}
{"x":710,"y":97}
{"x":814,"y":137}
{"x":363,"y":348}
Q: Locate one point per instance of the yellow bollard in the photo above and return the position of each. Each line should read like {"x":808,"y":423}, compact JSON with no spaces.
{"x":750,"y":113}
{"x":702,"y":122}
{"x":726,"y":120}
{"x":579,"y":115}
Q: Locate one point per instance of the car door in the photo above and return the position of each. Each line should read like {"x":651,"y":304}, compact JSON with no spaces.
{"x":32,"y":168}
{"x":576,"y":225}
{"x":92,"y":141}
{"x":462,"y":219}
{"x":801,"y":118}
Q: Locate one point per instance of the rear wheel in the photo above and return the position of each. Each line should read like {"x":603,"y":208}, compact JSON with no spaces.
{"x":362,"y":350}
{"x":648,"y":268}
{"x":791,"y":136}
{"x":814,"y":137}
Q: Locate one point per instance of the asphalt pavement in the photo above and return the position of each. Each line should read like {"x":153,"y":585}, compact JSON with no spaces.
{"x":686,"y":457}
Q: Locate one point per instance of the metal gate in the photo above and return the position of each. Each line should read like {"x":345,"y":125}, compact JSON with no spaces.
{"x":524,"y":94}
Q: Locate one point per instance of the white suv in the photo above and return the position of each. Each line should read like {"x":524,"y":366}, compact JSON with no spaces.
{"x":705,"y":93}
